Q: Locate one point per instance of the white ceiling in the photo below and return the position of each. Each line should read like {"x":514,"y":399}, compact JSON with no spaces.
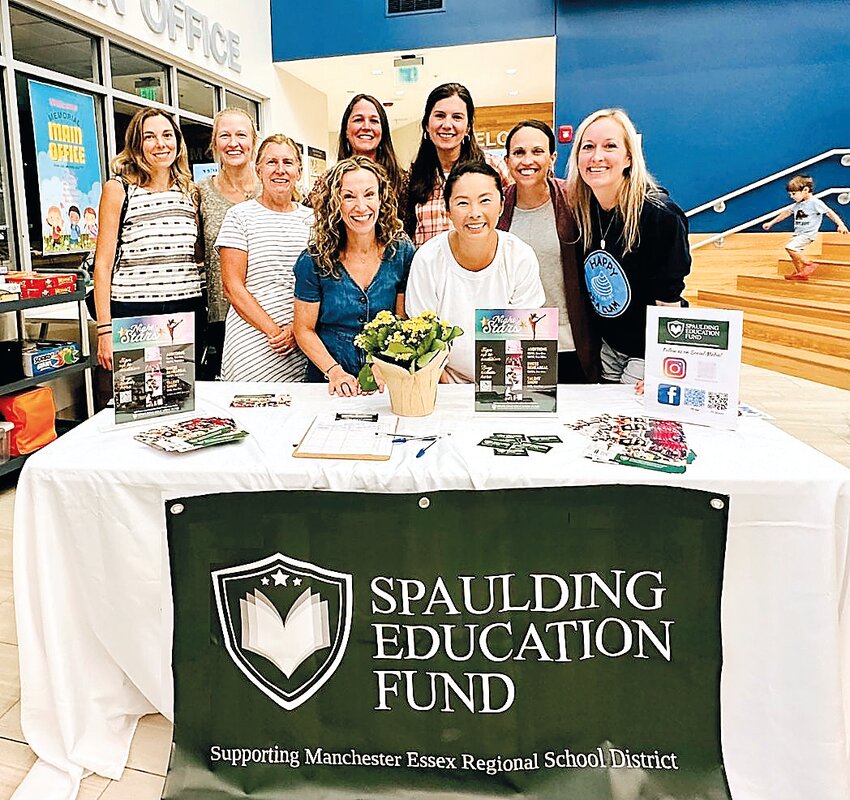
{"x":482,"y":68}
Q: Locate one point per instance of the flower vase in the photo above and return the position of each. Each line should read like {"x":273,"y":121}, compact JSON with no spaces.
{"x":413,"y":394}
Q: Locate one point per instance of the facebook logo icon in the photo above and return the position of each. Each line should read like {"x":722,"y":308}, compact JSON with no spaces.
{"x":669,"y":395}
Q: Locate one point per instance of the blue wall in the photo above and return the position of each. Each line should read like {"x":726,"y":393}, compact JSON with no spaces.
{"x":346,"y":27}
{"x":725,"y":93}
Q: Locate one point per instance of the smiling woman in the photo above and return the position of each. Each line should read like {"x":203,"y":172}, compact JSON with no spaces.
{"x":472,"y":266}
{"x":536,"y":210}
{"x":355,"y":266}
{"x":633,"y":236}
{"x":151,"y":175}
{"x":258,"y":244}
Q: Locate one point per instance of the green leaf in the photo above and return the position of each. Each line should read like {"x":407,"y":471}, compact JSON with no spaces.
{"x":366,"y":379}
{"x":399,"y":348}
{"x":426,"y":359}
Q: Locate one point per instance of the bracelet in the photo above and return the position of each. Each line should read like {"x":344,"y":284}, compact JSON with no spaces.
{"x":325,"y":373}
{"x":104,"y":333}
{"x":104,"y":325}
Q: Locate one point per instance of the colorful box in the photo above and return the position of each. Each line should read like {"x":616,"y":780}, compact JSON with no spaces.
{"x":41,"y":358}
{"x":38,"y":284}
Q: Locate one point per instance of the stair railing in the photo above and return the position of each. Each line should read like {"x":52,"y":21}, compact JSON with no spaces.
{"x":718,"y":237}
{"x":721,"y":201}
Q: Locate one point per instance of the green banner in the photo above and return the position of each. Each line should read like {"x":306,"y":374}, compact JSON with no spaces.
{"x":710,"y":333}
{"x":531,"y":643}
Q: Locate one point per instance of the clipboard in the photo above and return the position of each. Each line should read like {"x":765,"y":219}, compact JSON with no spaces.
{"x":360,"y":436}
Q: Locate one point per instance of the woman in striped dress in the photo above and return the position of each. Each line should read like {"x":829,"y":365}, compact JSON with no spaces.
{"x":156,"y":271}
{"x":258,"y":245}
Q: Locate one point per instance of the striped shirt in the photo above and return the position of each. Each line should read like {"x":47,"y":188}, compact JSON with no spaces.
{"x":158,"y":237}
{"x":273,"y":241}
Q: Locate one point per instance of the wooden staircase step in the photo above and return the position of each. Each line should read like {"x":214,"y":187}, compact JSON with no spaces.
{"x":830,"y":269}
{"x":839,"y":250}
{"x":819,"y":367}
{"x":815,"y":288}
{"x":802,"y":335}
{"x":834,"y":314}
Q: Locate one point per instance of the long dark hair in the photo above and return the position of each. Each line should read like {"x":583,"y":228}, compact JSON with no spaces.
{"x":385,"y":154}
{"x":426,"y":171}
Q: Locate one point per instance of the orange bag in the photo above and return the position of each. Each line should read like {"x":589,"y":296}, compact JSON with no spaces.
{"x":33,"y":414}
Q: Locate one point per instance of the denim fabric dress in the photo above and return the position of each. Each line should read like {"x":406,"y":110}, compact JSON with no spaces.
{"x":344,"y":308}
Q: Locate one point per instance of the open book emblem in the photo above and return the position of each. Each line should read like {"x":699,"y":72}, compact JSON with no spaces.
{"x":285,"y":624}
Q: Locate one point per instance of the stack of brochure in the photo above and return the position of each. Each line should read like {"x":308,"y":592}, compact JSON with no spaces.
{"x":637,"y":442}
{"x":192,"y":434}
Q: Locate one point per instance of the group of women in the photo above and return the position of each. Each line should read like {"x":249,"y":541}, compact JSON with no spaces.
{"x":290,"y":284}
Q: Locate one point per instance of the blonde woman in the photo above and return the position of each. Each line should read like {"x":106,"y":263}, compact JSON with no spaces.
{"x":633,"y":237}
{"x":258,"y":244}
{"x":355,"y":266}
{"x":233,"y":147}
{"x":156,"y":271}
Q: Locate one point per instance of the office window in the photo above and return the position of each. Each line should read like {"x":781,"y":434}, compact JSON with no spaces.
{"x":195,"y":95}
{"x":53,"y":46}
{"x":138,"y":75}
{"x":123,"y":113}
{"x":197,"y":136}
{"x":252,"y":107}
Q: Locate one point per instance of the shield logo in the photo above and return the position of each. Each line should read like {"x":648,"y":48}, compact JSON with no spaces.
{"x":285,"y":623}
{"x":675,"y":327}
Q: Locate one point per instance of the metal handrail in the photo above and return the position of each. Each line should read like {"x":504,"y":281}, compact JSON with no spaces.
{"x":763,"y":218}
{"x":768,"y":179}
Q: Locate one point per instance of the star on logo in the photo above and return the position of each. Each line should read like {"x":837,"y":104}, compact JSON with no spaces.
{"x":265,"y":581}
{"x":296,"y":581}
{"x":279,"y":578}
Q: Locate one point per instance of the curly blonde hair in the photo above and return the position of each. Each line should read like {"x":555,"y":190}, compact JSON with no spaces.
{"x":328,"y":236}
{"x":638,"y":184}
{"x":130,"y":163}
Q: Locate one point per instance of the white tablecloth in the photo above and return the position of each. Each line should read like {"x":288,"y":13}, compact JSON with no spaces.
{"x":92,"y":589}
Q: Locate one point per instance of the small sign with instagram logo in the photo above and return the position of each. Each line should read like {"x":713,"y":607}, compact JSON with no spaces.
{"x":693,"y":364}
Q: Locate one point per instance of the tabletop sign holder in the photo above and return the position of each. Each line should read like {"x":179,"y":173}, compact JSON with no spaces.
{"x":153,"y":366}
{"x":360,"y":436}
{"x":693,"y":365}
{"x":516,"y":359}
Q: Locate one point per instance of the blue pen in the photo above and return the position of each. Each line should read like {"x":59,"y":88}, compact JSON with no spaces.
{"x":422,"y":451}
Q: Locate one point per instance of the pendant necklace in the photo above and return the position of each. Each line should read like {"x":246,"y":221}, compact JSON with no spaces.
{"x":610,"y":222}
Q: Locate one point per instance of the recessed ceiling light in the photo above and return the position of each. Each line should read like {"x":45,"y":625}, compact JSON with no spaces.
{"x":511,"y":71}
{"x":377,"y":72}
{"x":513,"y":93}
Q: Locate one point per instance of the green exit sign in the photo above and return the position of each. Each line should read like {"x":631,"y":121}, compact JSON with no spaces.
{"x":148,"y":92}
{"x":407,"y":75}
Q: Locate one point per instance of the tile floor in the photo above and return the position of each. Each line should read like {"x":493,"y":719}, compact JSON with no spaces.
{"x":816,"y":414}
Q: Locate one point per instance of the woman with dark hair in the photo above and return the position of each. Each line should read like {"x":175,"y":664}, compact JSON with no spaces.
{"x":633,"y":236}
{"x":157,"y":270}
{"x":536,"y":210}
{"x":448,"y":138}
{"x":364,"y":130}
{"x":474,"y":265}
{"x":355,"y":265}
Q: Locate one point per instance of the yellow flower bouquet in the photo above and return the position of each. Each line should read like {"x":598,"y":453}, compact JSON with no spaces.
{"x":408,"y":343}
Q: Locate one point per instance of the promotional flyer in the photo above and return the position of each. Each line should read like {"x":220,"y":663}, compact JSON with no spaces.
{"x":153,"y":366}
{"x":68,"y":165}
{"x":693,"y":364}
{"x":449,"y":645}
{"x":516,"y":359}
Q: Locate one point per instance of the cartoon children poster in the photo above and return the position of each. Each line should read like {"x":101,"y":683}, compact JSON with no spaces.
{"x":68,"y":163}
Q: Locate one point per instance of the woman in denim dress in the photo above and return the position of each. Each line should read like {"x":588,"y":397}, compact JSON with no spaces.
{"x":355,"y":265}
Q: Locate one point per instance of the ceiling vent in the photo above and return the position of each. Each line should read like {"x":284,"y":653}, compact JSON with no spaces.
{"x":397,"y":7}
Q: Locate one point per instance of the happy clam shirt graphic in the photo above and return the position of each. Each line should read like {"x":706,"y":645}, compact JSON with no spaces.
{"x":607,"y":284}
{"x":285,"y":624}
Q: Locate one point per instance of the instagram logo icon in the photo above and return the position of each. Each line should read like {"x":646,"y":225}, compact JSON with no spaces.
{"x":675,"y":368}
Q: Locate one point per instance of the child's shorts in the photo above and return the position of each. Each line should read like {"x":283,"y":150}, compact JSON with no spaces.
{"x":799,"y":243}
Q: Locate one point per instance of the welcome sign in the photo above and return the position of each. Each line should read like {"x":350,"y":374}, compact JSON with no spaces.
{"x":541,"y":643}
